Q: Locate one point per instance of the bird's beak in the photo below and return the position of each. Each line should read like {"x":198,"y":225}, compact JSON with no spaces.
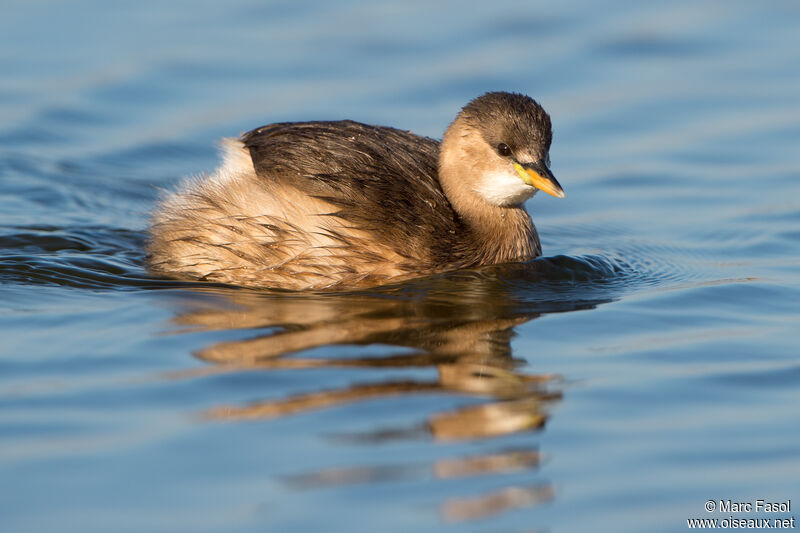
{"x":538,"y":175}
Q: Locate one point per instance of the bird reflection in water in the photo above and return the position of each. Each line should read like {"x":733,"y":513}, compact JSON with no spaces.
{"x":460,"y":324}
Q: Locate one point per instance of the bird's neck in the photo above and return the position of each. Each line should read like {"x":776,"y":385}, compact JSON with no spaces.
{"x":503,"y":234}
{"x":498,"y":233}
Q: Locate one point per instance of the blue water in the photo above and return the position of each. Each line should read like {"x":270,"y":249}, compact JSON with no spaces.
{"x":648,"y":363}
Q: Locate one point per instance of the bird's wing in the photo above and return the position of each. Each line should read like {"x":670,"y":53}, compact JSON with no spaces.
{"x":381,"y":180}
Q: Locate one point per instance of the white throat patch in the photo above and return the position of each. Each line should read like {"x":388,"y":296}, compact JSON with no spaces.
{"x":504,"y":188}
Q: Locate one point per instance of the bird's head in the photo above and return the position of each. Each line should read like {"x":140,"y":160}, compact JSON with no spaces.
{"x":497,"y":151}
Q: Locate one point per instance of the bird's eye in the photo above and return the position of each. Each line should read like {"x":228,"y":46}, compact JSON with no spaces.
{"x":503,"y":150}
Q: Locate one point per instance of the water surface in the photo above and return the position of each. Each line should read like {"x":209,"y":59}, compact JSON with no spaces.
{"x":646,"y":364}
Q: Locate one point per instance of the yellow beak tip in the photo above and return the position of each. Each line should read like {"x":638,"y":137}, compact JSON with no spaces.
{"x":534,"y":179}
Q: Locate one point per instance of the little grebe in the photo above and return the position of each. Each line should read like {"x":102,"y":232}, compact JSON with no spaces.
{"x":329,"y":205}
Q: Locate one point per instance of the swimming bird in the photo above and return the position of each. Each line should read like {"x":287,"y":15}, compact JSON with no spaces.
{"x":340,"y":204}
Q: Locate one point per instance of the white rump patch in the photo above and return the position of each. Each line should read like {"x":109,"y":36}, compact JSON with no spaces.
{"x":236,"y":162}
{"x":504,"y":188}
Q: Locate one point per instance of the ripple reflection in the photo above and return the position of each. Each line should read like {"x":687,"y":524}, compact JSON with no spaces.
{"x":460,"y":325}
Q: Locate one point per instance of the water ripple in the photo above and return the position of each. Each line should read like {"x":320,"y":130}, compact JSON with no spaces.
{"x":92,"y":258}
{"x":112,"y":258}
